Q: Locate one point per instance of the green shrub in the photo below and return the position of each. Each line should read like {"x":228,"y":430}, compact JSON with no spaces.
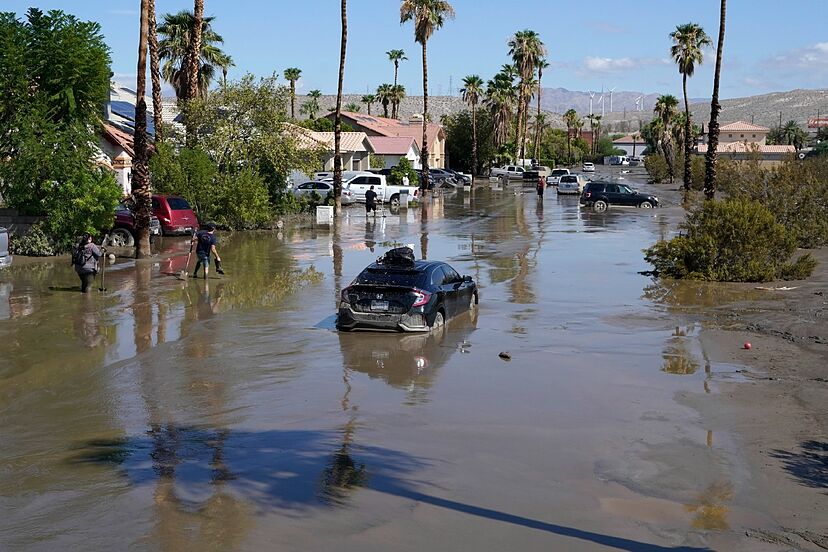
{"x":730,"y":241}
{"x":403,"y":168}
{"x":34,"y":244}
{"x":241,"y":202}
{"x":657,"y":168}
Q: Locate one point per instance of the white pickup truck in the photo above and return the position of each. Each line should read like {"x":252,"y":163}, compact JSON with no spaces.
{"x":356,"y":183}
{"x":514,"y":172}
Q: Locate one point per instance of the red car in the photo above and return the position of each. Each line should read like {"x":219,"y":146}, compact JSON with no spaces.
{"x":123,"y":232}
{"x":175,"y":214}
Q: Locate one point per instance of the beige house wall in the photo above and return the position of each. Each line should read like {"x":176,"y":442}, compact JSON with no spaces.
{"x":749,"y":136}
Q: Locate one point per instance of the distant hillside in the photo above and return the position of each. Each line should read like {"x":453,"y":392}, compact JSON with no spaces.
{"x":797,"y":105}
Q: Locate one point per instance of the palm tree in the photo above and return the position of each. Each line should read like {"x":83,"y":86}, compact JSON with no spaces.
{"x":428,"y":16}
{"x":311,"y":106}
{"x":384,"y":94}
{"x":396,"y":56}
{"x":500,"y":97}
{"x":140,"y":168}
{"x":689,"y":41}
{"x":155,"y":72}
{"x":292,"y":75}
{"x":665,"y":109}
{"x":542,"y":64}
{"x":527,"y":51}
{"x":397,"y":96}
{"x":596,"y":134}
{"x":368,"y":100}
{"x":715,"y":108}
{"x":175,"y":31}
{"x":352,"y":107}
{"x":540,"y":124}
{"x":225,"y":62}
{"x":195,"y":50}
{"x":338,"y":112}
{"x":570,"y":120}
{"x":471,"y":92}
{"x":793,"y":135}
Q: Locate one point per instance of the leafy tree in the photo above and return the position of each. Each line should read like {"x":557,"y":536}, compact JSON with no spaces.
{"x":688,"y":51}
{"x":459,"y":129}
{"x":54,"y":82}
{"x":735,"y":240}
{"x":403,"y":168}
{"x":292,"y":75}
{"x":428,"y":16}
{"x":176,"y":32}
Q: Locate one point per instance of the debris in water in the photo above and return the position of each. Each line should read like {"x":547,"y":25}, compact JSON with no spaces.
{"x":782,"y":288}
{"x":747,"y":346}
{"x":505,"y":356}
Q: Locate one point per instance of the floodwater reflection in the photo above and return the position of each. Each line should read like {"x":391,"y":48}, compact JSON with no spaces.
{"x":711,"y":507}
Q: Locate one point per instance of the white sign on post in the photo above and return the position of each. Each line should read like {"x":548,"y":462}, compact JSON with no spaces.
{"x":324,"y":215}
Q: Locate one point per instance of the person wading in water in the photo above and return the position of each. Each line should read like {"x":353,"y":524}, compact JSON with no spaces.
{"x":371,"y":201}
{"x":205,"y":241}
{"x":85,"y":260}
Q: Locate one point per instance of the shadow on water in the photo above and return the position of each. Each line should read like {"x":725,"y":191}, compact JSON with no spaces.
{"x":809,"y":465}
{"x":296,"y":469}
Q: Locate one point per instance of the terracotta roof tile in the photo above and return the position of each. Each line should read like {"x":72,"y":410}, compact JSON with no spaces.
{"x":747,"y":147}
{"x":391,"y":145}
{"x":742,"y":126}
{"x":393,"y":127}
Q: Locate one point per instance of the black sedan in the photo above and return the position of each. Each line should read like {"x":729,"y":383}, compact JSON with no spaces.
{"x":600,"y":195}
{"x":418,"y":296}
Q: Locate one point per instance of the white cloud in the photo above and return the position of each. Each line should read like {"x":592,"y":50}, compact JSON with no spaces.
{"x":616,"y":65}
{"x":802,"y":58}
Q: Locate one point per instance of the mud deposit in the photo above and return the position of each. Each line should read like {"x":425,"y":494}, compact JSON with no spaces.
{"x":229,"y":415}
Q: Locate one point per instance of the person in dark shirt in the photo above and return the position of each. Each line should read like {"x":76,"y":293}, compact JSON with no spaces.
{"x":85,"y":261}
{"x":371,"y":201}
{"x":205,"y":241}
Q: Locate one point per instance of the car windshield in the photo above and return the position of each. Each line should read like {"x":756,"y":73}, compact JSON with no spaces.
{"x":391,"y":277}
{"x":559,"y":172}
{"x":178,"y":204}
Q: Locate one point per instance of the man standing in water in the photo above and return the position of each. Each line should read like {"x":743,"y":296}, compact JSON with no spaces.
{"x":371,"y":201}
{"x":205,"y":241}
{"x":541,"y":186}
{"x":85,"y":260}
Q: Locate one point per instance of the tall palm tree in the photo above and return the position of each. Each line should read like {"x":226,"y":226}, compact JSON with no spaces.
{"x":175,"y":30}
{"x":292,"y":75}
{"x":384,"y":94}
{"x":540,"y":124}
{"x":666,"y":107}
{"x":570,"y":120}
{"x":155,"y":72}
{"x":140,"y":168}
{"x":715,"y":108}
{"x":689,"y":41}
{"x":338,"y":112}
{"x":428,"y":16}
{"x":368,"y":100}
{"x":527,"y":51}
{"x":542,"y":64}
{"x":596,"y":134}
{"x":397,"y":96}
{"x":395,"y":57}
{"x":500,"y":98}
{"x":311,"y":106}
{"x":195,"y":50}
{"x":471,"y":92}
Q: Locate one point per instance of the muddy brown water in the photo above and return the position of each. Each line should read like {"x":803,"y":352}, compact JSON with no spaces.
{"x":229,"y":415}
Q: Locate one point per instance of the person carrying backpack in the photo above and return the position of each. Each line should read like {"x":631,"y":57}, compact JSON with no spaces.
{"x":205,"y":241}
{"x":85,"y":260}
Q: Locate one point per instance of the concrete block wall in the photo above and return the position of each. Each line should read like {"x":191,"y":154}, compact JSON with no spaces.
{"x":15,"y":223}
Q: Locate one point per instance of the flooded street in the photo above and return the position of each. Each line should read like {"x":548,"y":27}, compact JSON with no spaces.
{"x":230,"y":415}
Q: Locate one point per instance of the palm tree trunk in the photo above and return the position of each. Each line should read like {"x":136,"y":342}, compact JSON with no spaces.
{"x":424,"y":151}
{"x":688,"y":166}
{"x":396,"y":68}
{"x":195,"y":50}
{"x":474,"y":139}
{"x":715,"y":108}
{"x":140,"y":169}
{"x":293,"y":99}
{"x":369,"y":109}
{"x":537,"y":117}
{"x":338,"y":115}
{"x":155,"y":73}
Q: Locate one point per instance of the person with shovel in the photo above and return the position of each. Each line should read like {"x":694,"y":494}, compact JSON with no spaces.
{"x":85,"y":260}
{"x":205,"y":241}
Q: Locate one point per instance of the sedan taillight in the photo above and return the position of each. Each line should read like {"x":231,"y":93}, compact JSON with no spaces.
{"x":421,"y":297}
{"x":343,"y":295}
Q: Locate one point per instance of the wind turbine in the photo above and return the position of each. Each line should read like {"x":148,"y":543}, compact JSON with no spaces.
{"x":591,"y":96}
{"x":601,"y":101}
{"x":611,"y":91}
{"x":638,"y":103}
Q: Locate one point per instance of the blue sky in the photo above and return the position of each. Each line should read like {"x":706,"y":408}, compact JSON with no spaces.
{"x":770,"y":45}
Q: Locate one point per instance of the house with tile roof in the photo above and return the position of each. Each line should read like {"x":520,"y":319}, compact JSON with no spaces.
{"x":354,"y":147}
{"x":741,"y":140}
{"x":413,"y":128}
{"x":393,"y":148}
{"x":632,"y":144}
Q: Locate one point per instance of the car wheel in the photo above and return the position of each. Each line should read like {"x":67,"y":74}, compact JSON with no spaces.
{"x":473,"y":302}
{"x":121,"y":237}
{"x":600,"y":206}
{"x":646,"y":205}
{"x":439,"y":321}
{"x":394,"y":203}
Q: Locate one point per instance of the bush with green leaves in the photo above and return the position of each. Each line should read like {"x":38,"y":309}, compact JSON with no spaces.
{"x":35,"y":243}
{"x":735,"y":240}
{"x":657,"y":168}
{"x":242,"y":201}
{"x":402,"y":169}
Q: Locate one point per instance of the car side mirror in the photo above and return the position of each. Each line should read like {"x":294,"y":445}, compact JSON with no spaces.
{"x":467,"y":279}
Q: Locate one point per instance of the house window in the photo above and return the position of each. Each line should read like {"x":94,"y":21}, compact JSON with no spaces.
{"x":730,"y":136}
{"x":754,"y":136}
{"x":741,"y":136}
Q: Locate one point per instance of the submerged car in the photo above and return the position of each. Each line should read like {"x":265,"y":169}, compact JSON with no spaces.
{"x":600,"y":195}
{"x":400,"y":294}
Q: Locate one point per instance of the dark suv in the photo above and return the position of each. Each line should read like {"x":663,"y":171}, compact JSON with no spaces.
{"x":600,"y":195}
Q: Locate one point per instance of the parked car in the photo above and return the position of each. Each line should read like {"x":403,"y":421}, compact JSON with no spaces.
{"x":123,"y":232}
{"x":356,"y":183}
{"x":323,"y":189}
{"x":414,"y":296}
{"x":600,"y":195}
{"x":514,"y":172}
{"x":5,"y":254}
{"x":461,"y":178}
{"x":175,"y":214}
{"x":555,"y":176}
{"x":571,"y":184}
{"x":588,"y":167}
{"x":536,"y":172}
{"x":619,"y":160}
